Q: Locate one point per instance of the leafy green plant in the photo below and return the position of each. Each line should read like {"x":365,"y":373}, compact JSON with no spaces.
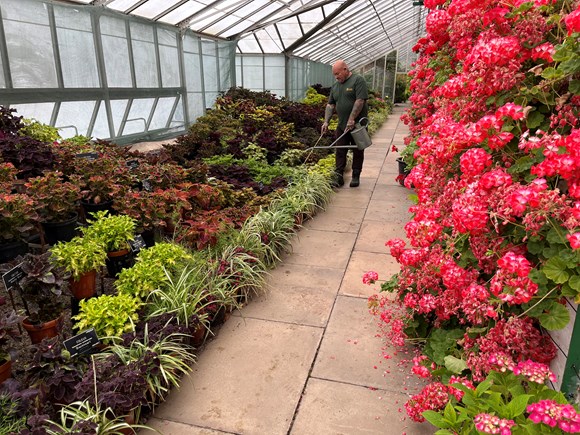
{"x":39,"y":131}
{"x":110,"y":315}
{"x":274,"y":229}
{"x":84,"y":417}
{"x":79,"y":255}
{"x":172,"y":357}
{"x":113,"y":231}
{"x":147,"y":274}
{"x":10,"y":419}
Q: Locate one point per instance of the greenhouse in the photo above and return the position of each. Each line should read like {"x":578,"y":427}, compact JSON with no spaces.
{"x":289,"y":217}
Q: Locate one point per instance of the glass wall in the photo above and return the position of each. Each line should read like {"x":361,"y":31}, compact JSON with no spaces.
{"x":95,"y":72}
{"x":98,"y":73}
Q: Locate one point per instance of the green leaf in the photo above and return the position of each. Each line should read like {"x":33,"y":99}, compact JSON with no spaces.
{"x":569,"y":257}
{"x":435,"y":419}
{"x":450,"y":414}
{"x":554,"y":237}
{"x":444,"y":432}
{"x":455,"y":365}
{"x":570,"y":66}
{"x":557,"y":317}
{"x":552,"y":73}
{"x":574,"y":87}
{"x":568,"y":291}
{"x":483,"y":387}
{"x":555,"y":269}
{"x":534,"y":119}
{"x":574,"y":282}
{"x":538,"y":277}
{"x":517,"y":406}
{"x":523,"y":164}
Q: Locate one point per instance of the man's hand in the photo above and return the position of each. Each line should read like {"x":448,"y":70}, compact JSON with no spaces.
{"x":324,"y":128}
{"x":350,"y":124}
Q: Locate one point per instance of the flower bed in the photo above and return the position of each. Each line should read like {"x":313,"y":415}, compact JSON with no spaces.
{"x":222,"y":206}
{"x":495,"y":236}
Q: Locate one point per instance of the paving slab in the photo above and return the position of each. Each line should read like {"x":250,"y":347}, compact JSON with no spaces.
{"x":321,"y":249}
{"x":389,"y":211}
{"x":293,"y":304}
{"x":360,"y":263}
{"x":167,"y":427}
{"x":342,"y":409}
{"x":289,"y":275}
{"x":373,"y":235}
{"x":339,"y":219}
{"x":352,"y":353}
{"x":392,"y":191}
{"x":248,"y":380}
{"x":352,"y":197}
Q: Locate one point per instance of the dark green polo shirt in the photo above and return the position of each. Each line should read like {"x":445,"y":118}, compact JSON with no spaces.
{"x":343,"y":95}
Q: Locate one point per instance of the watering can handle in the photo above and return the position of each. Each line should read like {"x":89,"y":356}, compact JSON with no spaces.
{"x":366,"y":122}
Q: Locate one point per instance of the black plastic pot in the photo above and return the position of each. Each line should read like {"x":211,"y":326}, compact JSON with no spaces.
{"x":403,"y":172}
{"x":60,"y":231}
{"x":9,"y":251}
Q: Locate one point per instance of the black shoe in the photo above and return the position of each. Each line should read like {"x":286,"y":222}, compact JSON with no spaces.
{"x":355,"y":181}
{"x":338,"y":181}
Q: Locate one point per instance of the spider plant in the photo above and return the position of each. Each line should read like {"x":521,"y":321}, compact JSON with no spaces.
{"x":274,"y":229}
{"x":189,"y":292}
{"x":83,"y":417}
{"x":243,"y":270}
{"x":173,"y":358}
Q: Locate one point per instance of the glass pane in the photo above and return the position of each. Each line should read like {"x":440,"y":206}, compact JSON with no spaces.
{"x":78,"y":59}
{"x":116,"y":54}
{"x":101,"y":128}
{"x":2,"y":80}
{"x":141,"y":32}
{"x":253,"y":77}
{"x":113,"y":26}
{"x":192,"y":72}
{"x":77,"y":113}
{"x":182,"y":12}
{"x":118,"y":108}
{"x":31,"y":55}
{"x":210,"y":73}
{"x":178,"y":119}
{"x":31,"y":12}
{"x":42,"y":112}
{"x":138,"y":116}
{"x":145,"y":60}
{"x":162,"y":113}
{"x":72,"y":18}
{"x":122,"y":5}
{"x":153,"y":8}
{"x":169,"y":60}
{"x":210,"y":98}
{"x":249,"y":45}
{"x":195,"y":102}
{"x":274,"y":78}
{"x":208,"y":48}
{"x":167,"y":37}
{"x":191,"y":44}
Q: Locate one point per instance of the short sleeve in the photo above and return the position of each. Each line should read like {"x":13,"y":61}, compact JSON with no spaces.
{"x":360,"y":88}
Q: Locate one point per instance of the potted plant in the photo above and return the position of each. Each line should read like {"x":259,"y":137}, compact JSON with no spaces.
{"x":109,"y":315}
{"x":81,"y":257}
{"x":8,"y":330}
{"x":56,"y":202}
{"x":43,"y":292}
{"x":114,"y":232}
{"x":17,"y":217}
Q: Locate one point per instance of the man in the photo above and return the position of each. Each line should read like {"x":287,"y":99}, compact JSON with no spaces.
{"x":349,"y":97}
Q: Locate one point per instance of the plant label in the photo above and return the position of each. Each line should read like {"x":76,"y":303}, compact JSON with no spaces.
{"x":12,"y":277}
{"x":82,"y":343}
{"x":137,"y":243}
{"x":132,"y":164}
{"x":147,"y":185}
{"x":88,"y":156}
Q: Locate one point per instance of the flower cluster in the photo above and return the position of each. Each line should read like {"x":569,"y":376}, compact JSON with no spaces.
{"x":492,"y":424}
{"x":554,"y":414}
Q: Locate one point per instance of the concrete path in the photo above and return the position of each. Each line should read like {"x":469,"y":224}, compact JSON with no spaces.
{"x":305,"y":357}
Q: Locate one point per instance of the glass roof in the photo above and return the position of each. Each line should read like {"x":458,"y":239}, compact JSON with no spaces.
{"x":358,"y":31}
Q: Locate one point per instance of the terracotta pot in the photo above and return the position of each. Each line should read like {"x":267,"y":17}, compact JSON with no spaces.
{"x":129,"y":419}
{"x":86,"y":286}
{"x":44,"y":330}
{"x":5,"y":370}
{"x":198,"y":336}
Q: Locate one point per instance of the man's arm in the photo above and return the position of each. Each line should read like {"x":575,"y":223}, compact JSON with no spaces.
{"x":356,"y":109}
{"x":327,"y":115}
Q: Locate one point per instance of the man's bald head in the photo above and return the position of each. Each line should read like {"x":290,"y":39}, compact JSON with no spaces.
{"x":340,"y":71}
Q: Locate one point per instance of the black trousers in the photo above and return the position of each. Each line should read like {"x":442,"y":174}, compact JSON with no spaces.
{"x":358,"y":156}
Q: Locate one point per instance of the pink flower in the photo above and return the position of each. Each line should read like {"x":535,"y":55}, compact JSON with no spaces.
{"x":554,"y":414}
{"x":574,"y":240}
{"x":370,"y":277}
{"x":572,"y":21}
{"x":492,"y":424}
